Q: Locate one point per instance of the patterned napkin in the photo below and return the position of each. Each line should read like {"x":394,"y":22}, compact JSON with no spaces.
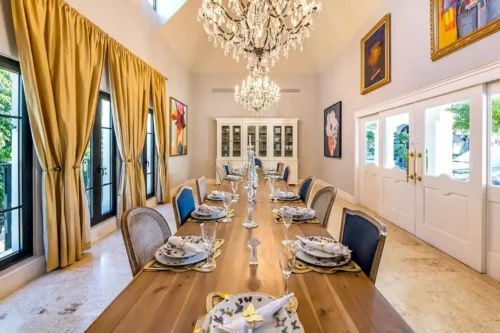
{"x":154,"y":265}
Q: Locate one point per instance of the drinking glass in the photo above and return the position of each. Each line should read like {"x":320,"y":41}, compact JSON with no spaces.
{"x":227,"y":203}
{"x":276,"y":209}
{"x":234,"y":187}
{"x":208,"y":231}
{"x":287,"y":262}
{"x":287,"y":217}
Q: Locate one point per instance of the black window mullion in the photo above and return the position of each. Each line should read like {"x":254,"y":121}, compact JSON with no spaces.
{"x":96,"y":163}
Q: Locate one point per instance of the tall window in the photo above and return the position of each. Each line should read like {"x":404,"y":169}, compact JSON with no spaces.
{"x":152,"y":3}
{"x":99,"y":164}
{"x":16,"y":236}
{"x":148,"y":157}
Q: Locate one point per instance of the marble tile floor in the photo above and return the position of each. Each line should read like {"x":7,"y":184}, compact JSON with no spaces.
{"x":433,"y":292}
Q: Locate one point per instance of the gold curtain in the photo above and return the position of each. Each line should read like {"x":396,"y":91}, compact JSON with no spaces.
{"x":130,"y":87}
{"x":161,"y":132}
{"x":61,"y":55}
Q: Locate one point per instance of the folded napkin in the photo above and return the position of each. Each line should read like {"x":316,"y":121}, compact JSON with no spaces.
{"x":282,"y":194}
{"x":178,"y":242}
{"x":218,"y":194}
{"x":332,"y":248}
{"x":233,"y":177}
{"x":237,"y":324}
{"x":295,"y":211}
{"x":204,"y":209}
{"x":237,"y":172}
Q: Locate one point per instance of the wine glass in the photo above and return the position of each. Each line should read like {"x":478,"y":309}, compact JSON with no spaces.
{"x":234,"y":187}
{"x":287,"y":217}
{"x":208,"y":231}
{"x":275,"y":200}
{"x":227,"y":199}
{"x":287,"y":262}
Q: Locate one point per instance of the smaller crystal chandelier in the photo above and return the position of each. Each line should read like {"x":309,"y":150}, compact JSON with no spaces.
{"x":258,"y":93}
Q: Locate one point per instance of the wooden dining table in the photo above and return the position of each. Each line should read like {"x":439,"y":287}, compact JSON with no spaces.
{"x":161,"y":301}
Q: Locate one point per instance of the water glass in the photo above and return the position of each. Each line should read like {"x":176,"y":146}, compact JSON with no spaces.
{"x":287,"y":217}
{"x":287,"y":262}
{"x":208,"y":231}
{"x":234,"y":187}
{"x":227,"y":199}
{"x":276,"y":209}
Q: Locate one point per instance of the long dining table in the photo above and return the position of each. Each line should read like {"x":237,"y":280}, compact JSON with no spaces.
{"x":162,"y":301}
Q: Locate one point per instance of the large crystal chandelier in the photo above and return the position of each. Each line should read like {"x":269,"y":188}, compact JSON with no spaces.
{"x":257,"y":93}
{"x":260,"y":30}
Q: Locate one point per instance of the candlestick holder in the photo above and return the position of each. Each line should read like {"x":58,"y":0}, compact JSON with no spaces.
{"x":253,"y":244}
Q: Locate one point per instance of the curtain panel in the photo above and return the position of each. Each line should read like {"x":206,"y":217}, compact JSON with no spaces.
{"x":130,"y":92}
{"x":159,"y":87}
{"x":61,"y":55}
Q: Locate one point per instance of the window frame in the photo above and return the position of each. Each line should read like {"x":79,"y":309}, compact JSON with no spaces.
{"x":26,"y":168}
{"x":145,"y":160}
{"x":98,"y":216}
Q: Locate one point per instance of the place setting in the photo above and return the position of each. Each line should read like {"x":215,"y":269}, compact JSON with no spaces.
{"x":284,"y":196}
{"x":213,"y":213}
{"x":294,"y":214}
{"x":184,"y":253}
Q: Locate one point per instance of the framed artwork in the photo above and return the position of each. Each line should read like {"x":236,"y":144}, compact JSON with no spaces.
{"x":375,"y":56}
{"x":332,"y":137}
{"x":178,"y":128}
{"x":458,"y":23}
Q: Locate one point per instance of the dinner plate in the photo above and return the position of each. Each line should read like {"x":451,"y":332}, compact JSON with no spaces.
{"x":282,"y":321}
{"x":175,"y":262}
{"x":171,"y":251}
{"x":217,"y":210}
{"x":289,"y":199}
{"x":208,"y":217}
{"x":323,"y":262}
{"x":211,"y":197}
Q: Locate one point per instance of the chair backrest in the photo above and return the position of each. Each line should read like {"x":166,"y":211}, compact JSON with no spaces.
{"x":201,"y":186}
{"x":305,"y":189}
{"x":184,"y":205}
{"x":226,"y":169}
{"x":230,"y":163}
{"x":286,"y":174}
{"x":365,"y":236}
{"x":281,"y":165}
{"x":322,"y":204}
{"x":220,"y":172}
{"x":144,"y":230}
{"x":258,"y":162}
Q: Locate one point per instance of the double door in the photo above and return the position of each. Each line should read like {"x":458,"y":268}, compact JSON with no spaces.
{"x":423,"y":169}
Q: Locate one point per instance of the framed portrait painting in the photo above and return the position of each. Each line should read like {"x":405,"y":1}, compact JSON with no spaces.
{"x":332,"y":137}
{"x":178,"y":128}
{"x":458,"y":23}
{"x":375,"y":56}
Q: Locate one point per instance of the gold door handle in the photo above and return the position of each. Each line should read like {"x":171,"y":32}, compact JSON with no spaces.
{"x":415,"y":167}
{"x":408,"y":156}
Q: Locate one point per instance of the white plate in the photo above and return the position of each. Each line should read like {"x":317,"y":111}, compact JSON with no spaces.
{"x":174,"y":262}
{"x":289,"y":199}
{"x":318,"y":253}
{"x":216,"y":211}
{"x":284,"y":321}
{"x":211,"y":197}
{"x":173,"y":252}
{"x":323,"y":262}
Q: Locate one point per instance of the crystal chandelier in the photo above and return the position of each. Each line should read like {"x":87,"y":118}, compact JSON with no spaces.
{"x":260,"y":30}
{"x":257,"y":93}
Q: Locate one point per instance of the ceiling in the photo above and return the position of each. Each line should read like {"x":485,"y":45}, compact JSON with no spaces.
{"x":339,"y":21}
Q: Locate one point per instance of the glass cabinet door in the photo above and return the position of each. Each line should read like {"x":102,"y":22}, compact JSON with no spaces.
{"x":288,"y":141}
{"x":277,"y":141}
{"x":225,"y":141}
{"x":251,"y":130}
{"x":236,"y":141}
{"x":263,"y":141}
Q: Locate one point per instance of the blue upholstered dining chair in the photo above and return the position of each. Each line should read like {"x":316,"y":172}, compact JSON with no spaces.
{"x":286,"y":174}
{"x":184,"y":204}
{"x":226,"y":169}
{"x":258,"y":162}
{"x":365,"y":236}
{"x":305,"y":189}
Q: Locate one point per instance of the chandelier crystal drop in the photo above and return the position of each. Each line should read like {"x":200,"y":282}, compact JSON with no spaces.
{"x":260,"y":30}
{"x":258,"y":93}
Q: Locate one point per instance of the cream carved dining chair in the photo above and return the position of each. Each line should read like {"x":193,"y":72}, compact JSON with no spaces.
{"x":220,"y":172}
{"x":281,"y":166}
{"x":144,"y":230}
{"x":322,"y":204}
{"x":201,"y":186}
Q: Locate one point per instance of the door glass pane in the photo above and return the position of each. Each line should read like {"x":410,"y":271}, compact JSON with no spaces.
{"x":371,"y":143}
{"x":236,"y":141}
{"x":90,"y":199}
{"x":10,"y":242}
{"x":251,"y":135}
{"x":106,"y":119}
{"x":288,"y":141}
{"x":447,"y":129}
{"x":397,"y":141}
{"x":106,"y":199}
{"x":149,"y":183}
{"x":225,"y":141}
{"x":106,"y":155}
{"x":150,"y":148}
{"x":495,"y":141}
{"x":277,"y":142}
{"x":263,"y":141}
{"x":9,"y":162}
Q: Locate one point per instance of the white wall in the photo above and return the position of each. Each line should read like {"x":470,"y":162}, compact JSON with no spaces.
{"x":412,"y":69}
{"x":211,"y":105}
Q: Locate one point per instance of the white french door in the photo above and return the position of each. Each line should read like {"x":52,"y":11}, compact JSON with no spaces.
{"x":397,"y":188}
{"x":370,"y":162}
{"x":449,"y":168}
{"x":493,"y":181}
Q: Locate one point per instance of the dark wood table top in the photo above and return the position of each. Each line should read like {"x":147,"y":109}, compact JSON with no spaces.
{"x":171,"y":302}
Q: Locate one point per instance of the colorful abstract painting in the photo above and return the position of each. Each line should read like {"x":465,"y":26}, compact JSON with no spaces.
{"x":332,"y":142}
{"x":458,"y":23}
{"x":178,"y":128}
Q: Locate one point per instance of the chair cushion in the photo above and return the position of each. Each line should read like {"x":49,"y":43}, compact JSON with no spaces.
{"x":185,"y":204}
{"x":303,"y":190}
{"x":226,"y":168}
{"x":362,"y":237}
{"x":285,"y":175}
{"x":258,"y":163}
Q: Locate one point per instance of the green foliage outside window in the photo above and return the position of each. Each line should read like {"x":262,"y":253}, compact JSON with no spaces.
{"x":6,"y":126}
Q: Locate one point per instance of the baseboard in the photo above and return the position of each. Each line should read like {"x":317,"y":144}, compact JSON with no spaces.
{"x":344,"y":195}
{"x":20,"y":274}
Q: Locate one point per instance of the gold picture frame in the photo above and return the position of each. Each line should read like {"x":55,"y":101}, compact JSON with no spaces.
{"x":376,"y":43}
{"x":481,"y":32}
